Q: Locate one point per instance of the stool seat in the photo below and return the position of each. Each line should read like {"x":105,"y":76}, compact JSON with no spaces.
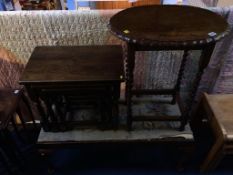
{"x":218,"y":110}
{"x":222,"y":108}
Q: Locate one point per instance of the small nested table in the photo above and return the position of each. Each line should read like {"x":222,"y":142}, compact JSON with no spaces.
{"x":166,"y":27}
{"x":217,"y":110}
{"x":64,"y":79}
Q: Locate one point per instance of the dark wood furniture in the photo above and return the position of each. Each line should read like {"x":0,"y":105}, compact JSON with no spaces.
{"x":166,"y":27}
{"x":146,"y":2}
{"x":61,"y":79}
{"x":217,"y":111}
{"x":117,"y":4}
{"x":13,"y":101}
{"x":124,"y":4}
{"x":14,"y":112}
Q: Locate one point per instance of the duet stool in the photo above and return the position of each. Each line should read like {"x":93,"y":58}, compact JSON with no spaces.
{"x":65,"y":79}
{"x":217,"y":110}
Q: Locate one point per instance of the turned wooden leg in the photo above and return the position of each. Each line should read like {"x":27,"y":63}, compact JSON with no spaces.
{"x":203,"y":63}
{"x":129,"y":83}
{"x":214,"y":156}
{"x":180,"y":75}
{"x":177,"y":87}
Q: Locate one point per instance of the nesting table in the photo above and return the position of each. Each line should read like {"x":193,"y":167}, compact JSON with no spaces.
{"x":61,"y":79}
{"x":166,"y":27}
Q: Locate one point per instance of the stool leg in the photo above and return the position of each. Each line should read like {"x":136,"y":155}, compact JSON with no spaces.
{"x":214,"y":156}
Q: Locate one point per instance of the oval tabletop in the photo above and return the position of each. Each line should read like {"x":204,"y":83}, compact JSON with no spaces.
{"x":168,"y":25}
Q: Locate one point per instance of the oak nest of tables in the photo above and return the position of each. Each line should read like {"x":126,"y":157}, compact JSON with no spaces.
{"x":63,"y":79}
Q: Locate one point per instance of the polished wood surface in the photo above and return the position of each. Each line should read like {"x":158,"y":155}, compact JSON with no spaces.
{"x":168,"y":25}
{"x":222,"y":108}
{"x":146,"y":2}
{"x":112,"y":5}
{"x":74,"y":64}
{"x":122,"y":4}
{"x":217,"y":110}
{"x":62,"y":79}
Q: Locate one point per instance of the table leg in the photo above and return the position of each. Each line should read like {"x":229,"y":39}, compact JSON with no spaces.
{"x":177,"y":86}
{"x":180,"y":75}
{"x":34,"y":94}
{"x":44,"y":119}
{"x":48,"y":102}
{"x":60,"y":114}
{"x":104,"y":107}
{"x":115,"y":107}
{"x":27,"y":104}
{"x":203,"y":63}
{"x":130,"y":61}
{"x":214,"y":156}
{"x":109,"y":107}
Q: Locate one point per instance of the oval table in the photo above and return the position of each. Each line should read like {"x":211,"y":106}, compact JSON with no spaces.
{"x":166,"y":27}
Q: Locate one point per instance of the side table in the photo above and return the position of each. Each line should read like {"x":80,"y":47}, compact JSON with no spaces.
{"x":62,"y":78}
{"x":166,"y":27}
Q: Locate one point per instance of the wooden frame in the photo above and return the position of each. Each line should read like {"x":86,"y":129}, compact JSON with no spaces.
{"x":217,"y":111}
{"x":115,"y":4}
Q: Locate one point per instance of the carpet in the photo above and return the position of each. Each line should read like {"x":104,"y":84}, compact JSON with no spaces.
{"x":142,"y":131}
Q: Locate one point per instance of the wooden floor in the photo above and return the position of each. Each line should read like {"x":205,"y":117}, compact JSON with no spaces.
{"x":142,"y":131}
